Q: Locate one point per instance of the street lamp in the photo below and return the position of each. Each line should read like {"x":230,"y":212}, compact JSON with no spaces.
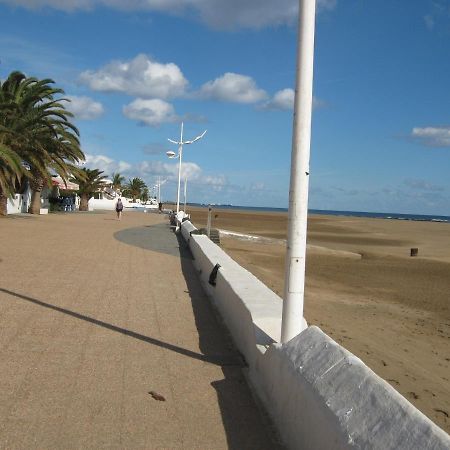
{"x":185,"y":193}
{"x":179,"y":155}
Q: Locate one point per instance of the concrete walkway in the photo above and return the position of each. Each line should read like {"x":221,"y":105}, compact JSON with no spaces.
{"x":96,"y":314}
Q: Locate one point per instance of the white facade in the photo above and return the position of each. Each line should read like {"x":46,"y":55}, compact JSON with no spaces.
{"x":21,"y":202}
{"x":106,"y":202}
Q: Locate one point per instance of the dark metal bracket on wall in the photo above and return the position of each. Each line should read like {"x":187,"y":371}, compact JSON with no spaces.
{"x":213,"y":274}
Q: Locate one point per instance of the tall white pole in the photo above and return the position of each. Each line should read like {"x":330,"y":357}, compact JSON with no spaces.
{"x":159,"y":190}
{"x":185,"y":193}
{"x":208,"y":222}
{"x":180,"y":154}
{"x":292,"y":322}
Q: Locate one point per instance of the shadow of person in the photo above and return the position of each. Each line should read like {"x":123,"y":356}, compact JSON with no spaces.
{"x":246,"y":425}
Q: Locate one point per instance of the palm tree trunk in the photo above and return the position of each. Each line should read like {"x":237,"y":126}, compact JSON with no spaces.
{"x":84,"y":202}
{"x":35,"y":203}
{"x":3,"y":204}
{"x":36,"y":185}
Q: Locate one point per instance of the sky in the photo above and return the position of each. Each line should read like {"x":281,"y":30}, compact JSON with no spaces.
{"x":135,"y":70}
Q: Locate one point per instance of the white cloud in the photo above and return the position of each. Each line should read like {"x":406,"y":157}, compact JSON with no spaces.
{"x":284,"y":100}
{"x":189,"y":170}
{"x":145,"y":169}
{"x":84,"y":108}
{"x":429,"y":21}
{"x":422,"y":185}
{"x":217,"y":183}
{"x":66,"y":5}
{"x":150,"y":112}
{"x":438,"y":15}
{"x":34,"y":58}
{"x":154,"y":148}
{"x":106,"y":164}
{"x":231,"y":14}
{"x":198,"y":182}
{"x":202,"y":187}
{"x":141,"y":77}
{"x":432,"y":136}
{"x":233,"y":87}
{"x":216,"y":13}
{"x":258,"y":186}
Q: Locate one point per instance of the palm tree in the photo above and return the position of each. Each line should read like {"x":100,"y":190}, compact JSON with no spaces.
{"x":36,"y":127}
{"x":11,"y":170}
{"x":145,"y":195}
{"x":89,"y":181}
{"x":11,"y":137}
{"x":61,"y":156}
{"x":134,"y":188}
{"x":57,"y":141}
{"x":117,"y":181}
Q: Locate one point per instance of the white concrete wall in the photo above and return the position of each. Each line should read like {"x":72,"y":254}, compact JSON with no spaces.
{"x":102,"y":203}
{"x":110,"y":204}
{"x":14,"y":205}
{"x":322,"y":397}
{"x":251,"y":311}
{"x":319,"y":395}
{"x":19,"y":204}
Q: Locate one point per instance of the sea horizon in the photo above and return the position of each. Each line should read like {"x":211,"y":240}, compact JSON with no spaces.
{"x":329,"y":212}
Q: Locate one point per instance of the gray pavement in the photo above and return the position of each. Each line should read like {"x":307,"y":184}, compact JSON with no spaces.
{"x":97,"y":313}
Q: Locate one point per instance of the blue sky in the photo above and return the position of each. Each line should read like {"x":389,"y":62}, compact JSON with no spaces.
{"x":381,"y":123}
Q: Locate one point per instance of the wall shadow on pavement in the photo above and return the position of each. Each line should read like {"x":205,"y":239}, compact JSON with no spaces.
{"x":247,"y":425}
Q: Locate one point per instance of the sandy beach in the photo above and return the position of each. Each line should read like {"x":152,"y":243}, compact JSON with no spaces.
{"x":365,"y":291}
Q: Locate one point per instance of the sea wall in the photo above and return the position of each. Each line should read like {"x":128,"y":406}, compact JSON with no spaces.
{"x":318,"y":394}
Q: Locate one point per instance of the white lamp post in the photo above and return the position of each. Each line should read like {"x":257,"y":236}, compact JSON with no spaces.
{"x":292,"y":321}
{"x":158,"y":187}
{"x":185,"y":193}
{"x":172,"y":155}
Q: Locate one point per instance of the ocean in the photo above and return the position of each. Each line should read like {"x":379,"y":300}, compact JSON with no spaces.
{"x":375,"y":215}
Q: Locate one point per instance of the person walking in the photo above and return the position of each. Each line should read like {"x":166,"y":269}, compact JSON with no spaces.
{"x":119,"y":208}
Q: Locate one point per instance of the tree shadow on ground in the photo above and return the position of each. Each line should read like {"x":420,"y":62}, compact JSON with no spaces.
{"x":156,"y":238}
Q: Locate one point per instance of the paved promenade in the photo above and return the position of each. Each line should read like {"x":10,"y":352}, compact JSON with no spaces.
{"x":98,"y":317}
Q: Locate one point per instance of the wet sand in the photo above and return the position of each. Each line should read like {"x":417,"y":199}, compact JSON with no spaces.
{"x":365,"y":291}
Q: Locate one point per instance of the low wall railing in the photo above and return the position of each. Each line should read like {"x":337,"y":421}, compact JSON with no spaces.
{"x":319,"y":395}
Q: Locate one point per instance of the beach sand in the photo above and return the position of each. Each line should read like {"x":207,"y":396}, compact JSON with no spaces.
{"x":365,"y":291}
